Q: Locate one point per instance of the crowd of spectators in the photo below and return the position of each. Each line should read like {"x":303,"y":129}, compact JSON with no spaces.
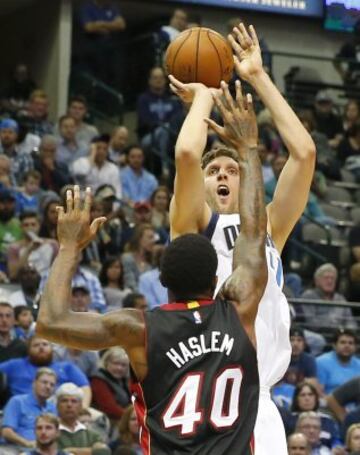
{"x":319,"y":397}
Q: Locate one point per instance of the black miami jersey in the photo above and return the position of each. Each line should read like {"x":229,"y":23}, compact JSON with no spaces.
{"x":200,"y":395}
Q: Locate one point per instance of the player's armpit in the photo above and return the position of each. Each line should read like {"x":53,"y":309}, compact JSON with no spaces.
{"x":290,"y":197}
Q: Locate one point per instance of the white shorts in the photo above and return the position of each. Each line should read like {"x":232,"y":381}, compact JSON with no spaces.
{"x":270,"y":438}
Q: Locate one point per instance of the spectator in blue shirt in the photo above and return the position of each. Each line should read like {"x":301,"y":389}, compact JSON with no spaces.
{"x":137,"y":183}
{"x":21,"y":372}
{"x":302,"y":365}
{"x":28,"y":199}
{"x":339,"y":365}
{"x":21,"y":411}
{"x":149,"y":282}
{"x":21,"y":163}
{"x":103,"y":24}
{"x":85,"y":279}
{"x":155,"y":108}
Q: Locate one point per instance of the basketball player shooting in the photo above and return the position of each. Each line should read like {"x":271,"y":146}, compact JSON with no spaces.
{"x":205,"y":200}
{"x":194,"y":366}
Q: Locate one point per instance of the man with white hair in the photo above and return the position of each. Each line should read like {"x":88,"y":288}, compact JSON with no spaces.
{"x":75,"y":437}
{"x":325,"y":280}
{"x":309,"y":423}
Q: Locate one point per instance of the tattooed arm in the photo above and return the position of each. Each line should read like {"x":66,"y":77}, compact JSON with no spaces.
{"x":56,"y":321}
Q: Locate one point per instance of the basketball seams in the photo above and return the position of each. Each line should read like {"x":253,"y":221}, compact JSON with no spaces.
{"x":197,"y":54}
{"x":179,"y":49}
{"x":217,"y":52}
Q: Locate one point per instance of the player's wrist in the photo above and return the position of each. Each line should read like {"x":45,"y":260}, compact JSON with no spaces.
{"x":257,"y":76}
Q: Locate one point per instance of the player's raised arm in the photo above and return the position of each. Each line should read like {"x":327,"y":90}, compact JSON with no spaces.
{"x":56,"y":322}
{"x":189,"y":212}
{"x":292,"y":191}
{"x":246,"y":285}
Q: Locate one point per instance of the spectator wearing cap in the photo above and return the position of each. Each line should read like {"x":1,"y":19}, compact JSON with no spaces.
{"x":118,"y":143}
{"x":137,"y":259}
{"x":327,"y":121}
{"x":69,"y":148}
{"x":325,"y":280}
{"x":336,"y":367}
{"x":84,"y":277}
{"x":149,"y":282}
{"x":302,"y":365}
{"x":74,"y":435}
{"x":22,"y":371}
{"x":143,"y":213}
{"x":39,"y":252}
{"x":21,"y":411}
{"x":28,"y":295}
{"x":97,"y":169}
{"x":87,"y":361}
{"x":10,"y":346}
{"x":21,"y":163}
{"x":10,"y":229}
{"x":78,"y":109}
{"x":54,"y":175}
{"x":36,"y":118}
{"x":137,"y":183}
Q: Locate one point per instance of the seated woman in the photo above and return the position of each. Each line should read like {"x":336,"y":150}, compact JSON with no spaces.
{"x":128,"y":433}
{"x":112,"y":280}
{"x":352,"y":440}
{"x":306,"y":398}
{"x":109,"y":385}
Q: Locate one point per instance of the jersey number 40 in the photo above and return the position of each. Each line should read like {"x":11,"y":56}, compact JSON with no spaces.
{"x":184,"y":410}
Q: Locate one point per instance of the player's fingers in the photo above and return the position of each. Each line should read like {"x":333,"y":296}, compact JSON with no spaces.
{"x":246,"y":37}
{"x":77,"y":198}
{"x":176,"y":82}
{"x":69,"y":201}
{"x":60,"y":212}
{"x":87,"y":201}
{"x":253,"y":35}
{"x":234,"y":44}
{"x":239,"y":95}
{"x":250,"y":104}
{"x":219,"y":102}
{"x":96,"y":225}
{"x":214,"y":126}
{"x":227,"y":96}
{"x":239,"y":37}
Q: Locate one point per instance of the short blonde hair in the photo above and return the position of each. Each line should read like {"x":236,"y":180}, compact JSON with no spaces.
{"x":351,"y":429}
{"x":115,"y":353}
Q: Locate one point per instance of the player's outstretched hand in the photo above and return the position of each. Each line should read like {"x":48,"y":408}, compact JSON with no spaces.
{"x":247,"y":59}
{"x":73,"y":228}
{"x":240,"y":127}
{"x":186,"y":92}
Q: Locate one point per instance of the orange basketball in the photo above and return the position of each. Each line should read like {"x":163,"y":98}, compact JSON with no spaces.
{"x":200,"y":55}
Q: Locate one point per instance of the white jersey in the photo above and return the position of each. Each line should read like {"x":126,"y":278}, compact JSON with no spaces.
{"x":272,"y":327}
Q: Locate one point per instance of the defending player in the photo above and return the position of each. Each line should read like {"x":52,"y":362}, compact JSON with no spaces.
{"x":209,"y":205}
{"x":194,"y":364}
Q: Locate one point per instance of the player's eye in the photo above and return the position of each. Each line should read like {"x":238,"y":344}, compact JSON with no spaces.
{"x":232,"y":171}
{"x":213,"y":171}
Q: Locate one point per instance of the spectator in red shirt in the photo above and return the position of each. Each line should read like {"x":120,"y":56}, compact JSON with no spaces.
{"x":110,"y":384}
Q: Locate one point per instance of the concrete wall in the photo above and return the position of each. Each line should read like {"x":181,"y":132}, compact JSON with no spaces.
{"x":39,"y":34}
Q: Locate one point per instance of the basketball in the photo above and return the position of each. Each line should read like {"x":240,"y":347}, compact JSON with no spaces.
{"x":200,"y":55}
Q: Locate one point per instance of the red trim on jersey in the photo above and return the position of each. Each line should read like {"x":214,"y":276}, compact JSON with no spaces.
{"x":190,"y":305}
{"x":252,"y":443}
{"x":141,"y":413}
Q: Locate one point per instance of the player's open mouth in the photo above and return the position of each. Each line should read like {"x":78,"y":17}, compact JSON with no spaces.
{"x":223,"y":190}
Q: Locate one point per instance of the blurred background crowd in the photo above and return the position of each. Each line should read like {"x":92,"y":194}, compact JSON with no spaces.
{"x":116,"y":133}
